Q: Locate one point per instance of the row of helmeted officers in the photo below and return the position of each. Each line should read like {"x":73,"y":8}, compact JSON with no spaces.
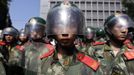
{"x":63,"y":45}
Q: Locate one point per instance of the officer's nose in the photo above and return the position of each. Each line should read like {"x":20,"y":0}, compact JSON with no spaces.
{"x":124,"y":30}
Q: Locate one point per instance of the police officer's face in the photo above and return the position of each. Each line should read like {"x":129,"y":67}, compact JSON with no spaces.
{"x":8,"y":38}
{"x":90,"y":36}
{"x":36,"y":35}
{"x":23,"y":38}
{"x":65,"y":40}
{"x":120,"y":32}
{"x":65,"y":35}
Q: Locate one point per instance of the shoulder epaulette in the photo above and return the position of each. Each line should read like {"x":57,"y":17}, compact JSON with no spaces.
{"x":49,"y":53}
{"x":129,"y":55}
{"x":90,"y":62}
{"x":20,"y":48}
{"x":2,"y":43}
{"x":98,"y":43}
{"x":128,"y":44}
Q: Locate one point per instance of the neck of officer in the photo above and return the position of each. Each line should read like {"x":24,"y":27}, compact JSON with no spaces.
{"x":116,"y":44}
{"x":11,"y":42}
{"x":66,"y":50}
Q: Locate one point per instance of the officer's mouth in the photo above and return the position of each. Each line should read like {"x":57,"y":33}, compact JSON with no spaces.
{"x":123,"y":36}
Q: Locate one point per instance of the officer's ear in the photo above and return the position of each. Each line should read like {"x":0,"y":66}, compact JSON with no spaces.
{"x":106,"y":29}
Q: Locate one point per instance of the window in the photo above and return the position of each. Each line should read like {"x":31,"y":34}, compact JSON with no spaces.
{"x":82,"y":6}
{"x":106,"y":14}
{"x":100,"y":15}
{"x":100,"y":6}
{"x":89,"y":15}
{"x":94,"y":6}
{"x":94,"y":15}
{"x":112,"y":7}
{"x":118,"y":7}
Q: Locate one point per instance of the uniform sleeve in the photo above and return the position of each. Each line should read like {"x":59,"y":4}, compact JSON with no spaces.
{"x":2,"y":69}
{"x":89,"y":71}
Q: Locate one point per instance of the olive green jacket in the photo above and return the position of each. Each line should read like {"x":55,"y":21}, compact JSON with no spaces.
{"x":111,"y":64}
{"x":33,"y":51}
{"x":68,"y":65}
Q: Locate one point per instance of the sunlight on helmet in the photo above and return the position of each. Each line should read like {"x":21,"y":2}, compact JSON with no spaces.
{"x":33,"y":21}
{"x":89,"y":30}
{"x":64,"y":16}
{"x":123,"y":22}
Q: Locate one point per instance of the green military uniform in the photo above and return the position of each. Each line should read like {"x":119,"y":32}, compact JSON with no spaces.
{"x":7,"y":49}
{"x":111,"y":64}
{"x":35,"y":29}
{"x":32,"y":53}
{"x":65,"y":22}
{"x":10,"y":55}
{"x":68,"y":65}
{"x":85,"y":47}
{"x":2,"y":69}
{"x":12,"y":59}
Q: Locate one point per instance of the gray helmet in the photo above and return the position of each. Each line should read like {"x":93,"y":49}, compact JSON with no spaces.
{"x":36,"y":24}
{"x":122,"y":20}
{"x":10,"y":31}
{"x":22,"y":32}
{"x":100,"y":32}
{"x":89,"y":32}
{"x":65,"y":18}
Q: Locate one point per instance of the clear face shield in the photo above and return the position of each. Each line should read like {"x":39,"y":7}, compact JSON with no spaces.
{"x":65,"y":19}
{"x":35,"y":31}
{"x":121,"y":21}
{"x":118,"y":26}
{"x":22,"y":33}
{"x":89,"y":33}
{"x":10,"y":31}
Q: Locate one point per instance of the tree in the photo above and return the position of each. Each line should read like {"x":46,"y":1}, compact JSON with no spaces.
{"x":5,"y":20}
{"x":129,"y":7}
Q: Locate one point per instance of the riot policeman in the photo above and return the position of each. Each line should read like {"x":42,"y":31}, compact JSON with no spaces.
{"x":2,"y":69}
{"x":64,"y":22}
{"x":23,"y":37}
{"x":89,"y":34}
{"x":119,"y":25}
{"x":9,"y":40}
{"x":100,"y":34}
{"x":114,"y":54}
{"x":88,"y":39}
{"x":35,"y":29}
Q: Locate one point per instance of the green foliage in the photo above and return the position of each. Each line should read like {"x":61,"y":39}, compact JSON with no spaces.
{"x":129,"y":7}
{"x":4,"y":14}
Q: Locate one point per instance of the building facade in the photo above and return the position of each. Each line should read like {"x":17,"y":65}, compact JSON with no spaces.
{"x":95,"y":11}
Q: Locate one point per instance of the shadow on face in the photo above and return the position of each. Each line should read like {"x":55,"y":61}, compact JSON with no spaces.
{"x":65,"y":40}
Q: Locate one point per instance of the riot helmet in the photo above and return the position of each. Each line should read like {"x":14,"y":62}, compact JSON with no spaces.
{"x":120,"y":21}
{"x":65,"y":21}
{"x":100,"y":32}
{"x":23,"y":37}
{"x":89,"y":32}
{"x":10,"y":31}
{"x":35,"y":27}
{"x":65,"y":18}
{"x":22,"y":32}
